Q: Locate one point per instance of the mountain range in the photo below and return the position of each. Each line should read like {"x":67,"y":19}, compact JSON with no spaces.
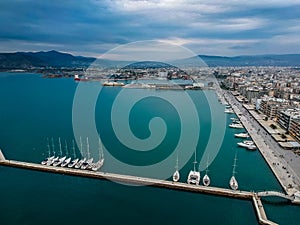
{"x":55,"y":59}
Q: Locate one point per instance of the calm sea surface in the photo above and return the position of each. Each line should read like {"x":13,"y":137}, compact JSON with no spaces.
{"x":34,"y":109}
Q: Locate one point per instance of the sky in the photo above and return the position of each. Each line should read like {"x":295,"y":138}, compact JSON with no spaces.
{"x":208,"y":27}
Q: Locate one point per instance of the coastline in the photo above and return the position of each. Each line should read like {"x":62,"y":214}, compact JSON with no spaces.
{"x":286,"y":176}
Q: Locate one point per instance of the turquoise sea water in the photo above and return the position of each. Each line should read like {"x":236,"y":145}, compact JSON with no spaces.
{"x":33,"y":108}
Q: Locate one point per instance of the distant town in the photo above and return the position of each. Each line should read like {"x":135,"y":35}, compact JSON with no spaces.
{"x":272,"y":94}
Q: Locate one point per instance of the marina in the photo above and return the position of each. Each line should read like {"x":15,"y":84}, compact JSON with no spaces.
{"x":31,"y":147}
{"x":255,"y":197}
{"x":289,"y":183}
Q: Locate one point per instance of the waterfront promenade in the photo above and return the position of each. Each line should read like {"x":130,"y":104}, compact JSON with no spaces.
{"x":286,"y":174}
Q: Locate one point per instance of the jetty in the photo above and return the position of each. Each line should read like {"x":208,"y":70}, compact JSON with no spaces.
{"x":254,"y":197}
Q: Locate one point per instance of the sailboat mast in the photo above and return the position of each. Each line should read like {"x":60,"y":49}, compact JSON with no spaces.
{"x":234,"y":165}
{"x":176,"y":160}
{"x":195,"y":162}
{"x":59,"y":143}
{"x":48,"y":147}
{"x":88,"y":147}
{"x":207,"y":165}
{"x":74,"y":148}
{"x":53,"y":147}
{"x":66,"y":147}
{"x":81,"y":149}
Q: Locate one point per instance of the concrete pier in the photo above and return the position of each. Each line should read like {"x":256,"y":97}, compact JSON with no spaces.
{"x":262,"y":218}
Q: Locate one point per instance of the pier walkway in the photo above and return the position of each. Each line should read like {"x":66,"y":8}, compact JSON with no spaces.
{"x":275,"y":193}
{"x":255,"y":198}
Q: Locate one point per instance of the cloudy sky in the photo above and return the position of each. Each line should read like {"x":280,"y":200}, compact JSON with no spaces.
{"x":92,"y":27}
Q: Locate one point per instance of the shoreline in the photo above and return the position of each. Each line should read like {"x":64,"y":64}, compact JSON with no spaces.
{"x":288,"y":179}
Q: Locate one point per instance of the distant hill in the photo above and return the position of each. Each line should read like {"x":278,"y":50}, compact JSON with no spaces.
{"x":55,"y":59}
{"x":25,"y":60}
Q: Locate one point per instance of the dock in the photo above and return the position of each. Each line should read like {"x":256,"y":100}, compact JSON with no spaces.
{"x":254,"y":197}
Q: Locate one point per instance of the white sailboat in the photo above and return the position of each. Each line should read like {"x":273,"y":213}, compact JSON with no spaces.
{"x":89,"y":160}
{"x":97,"y":165}
{"x":81,"y":161}
{"x":194,"y":176}
{"x":206,"y":179}
{"x":49,"y":158}
{"x":68,"y":160}
{"x":233,"y":182}
{"x":176,"y":175}
{"x":75,"y":160}
{"x":59,"y":160}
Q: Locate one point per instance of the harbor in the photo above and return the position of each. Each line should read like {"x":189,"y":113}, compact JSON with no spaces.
{"x":60,"y":193}
{"x":288,"y":179}
{"x":134,"y":180}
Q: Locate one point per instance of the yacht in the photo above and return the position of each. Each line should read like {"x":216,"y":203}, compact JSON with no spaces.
{"x":75,"y":160}
{"x":97,"y":165}
{"x":50,"y":162}
{"x":194,"y":176}
{"x":233,"y":182}
{"x":59,"y":161}
{"x":229,"y":110}
{"x":79,"y":163}
{"x":247,"y":144}
{"x":236,"y":125}
{"x":73,"y":163}
{"x":89,"y":160}
{"x":206,"y":179}
{"x":242,"y":135}
{"x":176,"y":174}
{"x":66,"y":162}
{"x":49,"y":158}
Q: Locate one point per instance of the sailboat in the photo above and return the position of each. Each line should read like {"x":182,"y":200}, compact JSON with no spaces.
{"x":90,"y":160}
{"x":97,"y":165}
{"x":206,"y":179}
{"x":59,"y":160}
{"x":75,"y":160}
{"x":68,"y":160}
{"x":176,"y":175}
{"x":49,"y":158}
{"x":233,"y":182}
{"x":194,"y":176}
{"x":81,"y":161}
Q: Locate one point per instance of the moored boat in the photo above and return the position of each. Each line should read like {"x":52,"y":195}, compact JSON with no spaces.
{"x":247,"y":144}
{"x":233,"y":182}
{"x":236,"y":125}
{"x":242,"y":135}
{"x":176,"y":175}
{"x":194,"y":176}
